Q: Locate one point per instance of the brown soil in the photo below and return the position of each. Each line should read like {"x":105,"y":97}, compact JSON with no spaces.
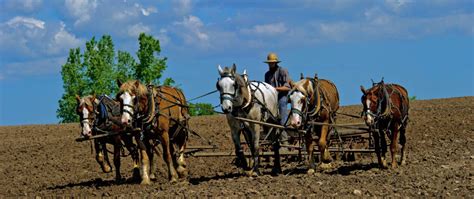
{"x":45,"y":160}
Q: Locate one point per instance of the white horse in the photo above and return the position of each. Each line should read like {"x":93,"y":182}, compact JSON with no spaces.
{"x":252,"y":100}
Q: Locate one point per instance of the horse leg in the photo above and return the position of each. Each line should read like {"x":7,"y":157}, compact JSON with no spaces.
{"x":403,"y":141}
{"x":377,"y":140}
{"x":276,"y":159}
{"x":394,"y":146}
{"x":383,"y":141}
{"x":310,"y":148}
{"x":241,"y":161}
{"x":106,"y":156}
{"x":99,"y":156}
{"x":182,"y":170}
{"x":151,"y":156}
{"x":117,"y":148}
{"x":145,"y":162}
{"x":254,"y":135}
{"x":323,"y":148}
{"x":165,"y":141}
{"x":132,"y":148}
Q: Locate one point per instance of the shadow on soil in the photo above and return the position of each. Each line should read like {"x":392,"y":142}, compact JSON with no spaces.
{"x":96,"y":183}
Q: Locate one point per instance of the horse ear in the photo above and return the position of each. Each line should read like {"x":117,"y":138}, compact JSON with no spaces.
{"x":119,"y":82}
{"x":292,"y":84}
{"x":137,"y":83}
{"x":245,"y":76}
{"x":234,"y":68}
{"x":363,"y":90}
{"x":78,"y":98}
{"x":221,"y":72}
{"x":301,"y":76}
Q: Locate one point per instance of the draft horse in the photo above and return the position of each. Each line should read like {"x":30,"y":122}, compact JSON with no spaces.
{"x":161,"y":112}
{"x":99,"y":115}
{"x":252,"y":100}
{"x":314,"y":99}
{"x":385,"y":109}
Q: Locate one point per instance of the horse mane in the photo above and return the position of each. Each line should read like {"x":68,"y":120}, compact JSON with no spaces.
{"x":134,"y":86}
{"x":304,"y":87}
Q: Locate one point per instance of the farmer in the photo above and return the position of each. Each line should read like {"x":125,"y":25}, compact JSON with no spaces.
{"x":279,"y":78}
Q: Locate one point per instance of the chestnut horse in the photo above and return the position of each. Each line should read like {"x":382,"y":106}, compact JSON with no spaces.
{"x":162,"y":113}
{"x":386,"y":109}
{"x":317,"y":100}
{"x":98,"y":116}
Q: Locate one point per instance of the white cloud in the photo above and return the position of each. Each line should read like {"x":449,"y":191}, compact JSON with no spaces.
{"x":62,"y":41}
{"x":267,"y":29}
{"x":148,"y":11}
{"x":163,"y":37}
{"x":397,"y":5}
{"x":23,"y":5}
{"x":27,"y":22}
{"x":81,"y":9}
{"x":34,"y":67}
{"x":193,"y":30}
{"x":135,"y":30}
{"x":182,"y":7}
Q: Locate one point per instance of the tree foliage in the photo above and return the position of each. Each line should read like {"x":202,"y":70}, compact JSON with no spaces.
{"x":201,"y":109}
{"x":96,"y":69}
{"x":72,"y":74}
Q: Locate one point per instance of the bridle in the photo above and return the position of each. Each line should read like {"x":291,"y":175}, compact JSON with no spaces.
{"x":381,"y":96}
{"x":132,"y":106}
{"x":91,"y":120}
{"x":304,"y":109}
{"x":227,"y":95}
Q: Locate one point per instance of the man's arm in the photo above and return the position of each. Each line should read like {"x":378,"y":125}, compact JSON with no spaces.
{"x":286,"y":79}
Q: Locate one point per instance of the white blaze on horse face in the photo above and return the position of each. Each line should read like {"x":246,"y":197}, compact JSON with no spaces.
{"x":227,"y":90}
{"x":296,"y":103}
{"x":369,"y":119}
{"x":86,"y":128}
{"x":127,"y":107}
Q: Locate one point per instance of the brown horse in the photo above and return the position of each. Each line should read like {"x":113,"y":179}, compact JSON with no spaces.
{"x":317,"y":100}
{"x":98,"y":116}
{"x":162,"y":113}
{"x":386,"y":109}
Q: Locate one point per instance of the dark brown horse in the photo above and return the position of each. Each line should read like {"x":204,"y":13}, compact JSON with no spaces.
{"x":386,"y":110}
{"x":162,"y":113}
{"x":99,"y":115}
{"x":317,"y":100}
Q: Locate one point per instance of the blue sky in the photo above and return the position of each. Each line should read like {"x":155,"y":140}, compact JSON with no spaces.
{"x":426,"y":45}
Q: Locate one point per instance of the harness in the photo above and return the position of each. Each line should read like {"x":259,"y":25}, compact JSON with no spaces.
{"x":385,"y":113}
{"x":318,"y":97}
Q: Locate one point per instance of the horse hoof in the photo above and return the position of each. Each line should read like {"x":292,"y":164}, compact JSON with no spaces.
{"x":403,"y":163}
{"x":325,"y":166}
{"x":174,"y":180}
{"x":182,"y":172}
{"x":106,"y":169}
{"x":251,"y":173}
{"x":146,"y":182}
{"x":152,"y":177}
{"x":310,"y":171}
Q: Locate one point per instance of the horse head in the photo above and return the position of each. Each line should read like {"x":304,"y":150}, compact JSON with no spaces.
{"x":299,"y":97}
{"x":233,"y":88}
{"x":132,"y":96}
{"x":87,"y":111}
{"x":374,"y":100}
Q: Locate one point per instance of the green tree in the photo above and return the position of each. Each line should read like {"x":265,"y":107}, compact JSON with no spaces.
{"x":99,"y":61}
{"x":72,"y":73}
{"x":100,"y":68}
{"x":150,"y":67}
{"x":201,"y":109}
{"x":125,"y":64}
